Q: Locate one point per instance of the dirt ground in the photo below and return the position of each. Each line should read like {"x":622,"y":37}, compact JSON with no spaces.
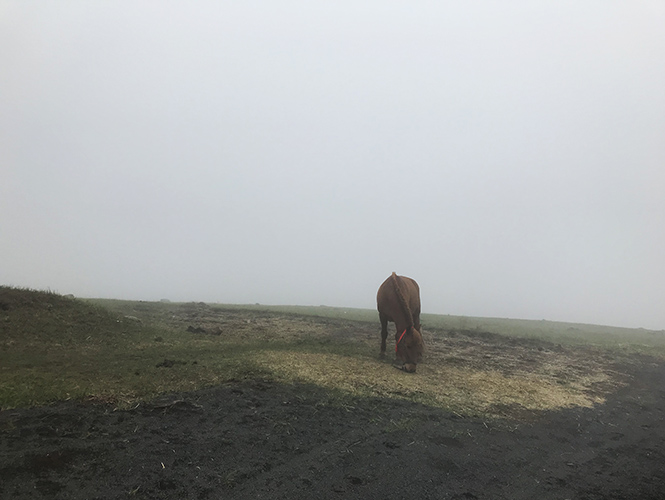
{"x":261,"y":439}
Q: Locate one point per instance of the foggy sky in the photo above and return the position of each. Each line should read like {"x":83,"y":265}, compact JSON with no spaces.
{"x":509,"y":156}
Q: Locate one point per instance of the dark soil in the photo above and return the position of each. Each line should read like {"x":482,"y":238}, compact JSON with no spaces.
{"x":259,"y":439}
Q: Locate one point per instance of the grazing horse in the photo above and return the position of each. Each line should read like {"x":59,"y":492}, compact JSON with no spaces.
{"x":398,"y":300}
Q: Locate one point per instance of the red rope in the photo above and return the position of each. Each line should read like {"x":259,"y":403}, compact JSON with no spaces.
{"x":400,"y":338}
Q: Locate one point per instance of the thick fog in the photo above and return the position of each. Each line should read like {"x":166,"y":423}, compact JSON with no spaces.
{"x":509,"y":156}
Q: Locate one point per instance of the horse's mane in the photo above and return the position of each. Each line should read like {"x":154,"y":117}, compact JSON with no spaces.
{"x":402,"y":301}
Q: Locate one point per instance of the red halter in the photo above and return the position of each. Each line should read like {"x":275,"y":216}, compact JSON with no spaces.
{"x":400,"y":338}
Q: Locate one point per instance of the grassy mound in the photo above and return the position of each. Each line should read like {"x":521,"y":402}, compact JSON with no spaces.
{"x":33,"y":318}
{"x":54,"y":347}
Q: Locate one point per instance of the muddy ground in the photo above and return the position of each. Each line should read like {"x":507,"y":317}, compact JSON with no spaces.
{"x":261,"y":439}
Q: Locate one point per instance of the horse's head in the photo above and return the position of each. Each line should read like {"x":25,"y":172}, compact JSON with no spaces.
{"x":409,"y":349}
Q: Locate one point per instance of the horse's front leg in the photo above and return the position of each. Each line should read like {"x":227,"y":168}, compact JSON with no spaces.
{"x":384,"y":333}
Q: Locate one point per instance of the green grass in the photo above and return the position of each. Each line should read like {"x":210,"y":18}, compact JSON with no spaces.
{"x":58,"y":348}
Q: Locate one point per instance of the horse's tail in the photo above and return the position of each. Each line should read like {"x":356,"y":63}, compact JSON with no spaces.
{"x":402,"y":300}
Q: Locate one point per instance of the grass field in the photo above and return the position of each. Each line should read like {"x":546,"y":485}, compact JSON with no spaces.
{"x":551,"y":331}
{"x":57,"y":348}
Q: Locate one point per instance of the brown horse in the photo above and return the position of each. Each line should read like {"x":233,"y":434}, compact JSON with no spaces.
{"x":398,"y":300}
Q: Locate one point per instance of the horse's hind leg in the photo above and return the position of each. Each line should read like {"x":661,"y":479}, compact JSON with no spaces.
{"x":384,"y":333}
